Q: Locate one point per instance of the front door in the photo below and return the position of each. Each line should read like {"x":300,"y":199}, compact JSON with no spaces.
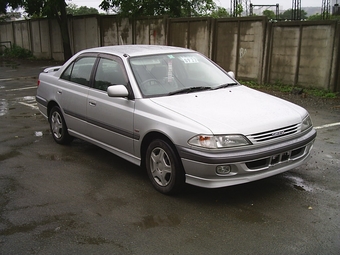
{"x":111,"y":119}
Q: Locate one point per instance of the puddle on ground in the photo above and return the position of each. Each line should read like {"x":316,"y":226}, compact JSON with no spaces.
{"x":9,"y":64}
{"x":301,"y":188}
{"x":27,"y":98}
{"x":55,"y":157}
{"x":298,"y":183}
{"x":91,"y":240}
{"x":9,"y":155}
{"x":3,"y":107}
{"x":150,"y":221}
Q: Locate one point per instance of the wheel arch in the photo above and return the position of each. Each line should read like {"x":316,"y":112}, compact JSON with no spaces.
{"x":50,"y":105}
{"x":148,"y":138}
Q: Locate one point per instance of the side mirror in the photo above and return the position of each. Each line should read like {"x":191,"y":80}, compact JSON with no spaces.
{"x":231,"y":74}
{"x":117,"y":91}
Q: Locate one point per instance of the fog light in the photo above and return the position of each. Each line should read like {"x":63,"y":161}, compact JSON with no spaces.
{"x":223,"y":170}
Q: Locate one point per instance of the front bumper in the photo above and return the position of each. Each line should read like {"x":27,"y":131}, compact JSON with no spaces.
{"x":246,"y":164}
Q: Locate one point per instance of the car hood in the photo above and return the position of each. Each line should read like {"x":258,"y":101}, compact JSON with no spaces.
{"x":238,"y":110}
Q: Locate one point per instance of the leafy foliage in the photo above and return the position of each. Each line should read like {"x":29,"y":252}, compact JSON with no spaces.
{"x":315,"y":17}
{"x":239,"y":10}
{"x":320,"y":17}
{"x":17,"y":52}
{"x":284,"y":88}
{"x":82,"y":10}
{"x":41,"y":8}
{"x":269,"y":14}
{"x":172,"y":8}
{"x":288,"y":14}
{"x":219,"y":12}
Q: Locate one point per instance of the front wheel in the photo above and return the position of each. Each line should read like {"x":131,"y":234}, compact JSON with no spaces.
{"x":164,"y":168}
{"x":58,"y":127}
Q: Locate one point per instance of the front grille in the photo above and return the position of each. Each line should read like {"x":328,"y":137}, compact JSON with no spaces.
{"x":276,"y":159}
{"x":273,"y":134}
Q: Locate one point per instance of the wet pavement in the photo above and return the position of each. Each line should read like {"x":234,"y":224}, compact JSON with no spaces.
{"x":80,"y":199}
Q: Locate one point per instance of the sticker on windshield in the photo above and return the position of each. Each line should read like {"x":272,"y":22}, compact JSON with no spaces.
{"x":189,"y":60}
{"x":169,"y":71}
{"x":170,"y":56}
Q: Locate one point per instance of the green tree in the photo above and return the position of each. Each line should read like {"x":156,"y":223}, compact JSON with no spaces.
{"x":45,"y":8}
{"x":219,"y":12}
{"x":172,"y":8}
{"x":316,"y":16}
{"x":270,"y":14}
{"x":288,"y":14}
{"x":82,"y":10}
{"x":321,"y":17}
{"x":239,"y":10}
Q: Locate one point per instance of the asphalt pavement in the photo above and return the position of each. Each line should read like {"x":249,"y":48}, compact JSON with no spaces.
{"x":80,"y":199}
{"x":23,"y":69}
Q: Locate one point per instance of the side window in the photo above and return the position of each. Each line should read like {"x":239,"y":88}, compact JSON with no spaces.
{"x":67,"y":73}
{"x":109,"y":72}
{"x":80,"y":71}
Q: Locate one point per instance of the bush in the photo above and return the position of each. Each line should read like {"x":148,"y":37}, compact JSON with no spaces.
{"x":17,"y":52}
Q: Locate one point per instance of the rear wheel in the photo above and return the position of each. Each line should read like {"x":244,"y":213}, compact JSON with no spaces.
{"x":58,"y":127}
{"x":164,"y":168}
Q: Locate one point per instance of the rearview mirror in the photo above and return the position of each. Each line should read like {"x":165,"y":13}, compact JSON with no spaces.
{"x":117,"y":91}
{"x":231,"y":74}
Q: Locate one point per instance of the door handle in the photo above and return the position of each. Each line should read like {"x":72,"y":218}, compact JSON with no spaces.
{"x":59,"y":92}
{"x":92,"y":103}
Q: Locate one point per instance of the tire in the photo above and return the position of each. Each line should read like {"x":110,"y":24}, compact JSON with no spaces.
{"x":164,"y":168}
{"x":58,"y":126}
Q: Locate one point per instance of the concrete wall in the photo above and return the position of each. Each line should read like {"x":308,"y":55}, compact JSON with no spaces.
{"x":193,"y":33}
{"x":85,"y":32}
{"x":294,"y":53}
{"x":40,"y":38}
{"x":118,"y":31}
{"x":6,"y":32}
{"x":22,"y":34}
{"x":303,"y":53}
{"x":57,"y":50}
{"x":110,"y":32}
{"x":151,"y":31}
{"x":239,"y":46}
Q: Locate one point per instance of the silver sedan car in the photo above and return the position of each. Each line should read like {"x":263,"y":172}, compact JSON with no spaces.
{"x":176,"y":113}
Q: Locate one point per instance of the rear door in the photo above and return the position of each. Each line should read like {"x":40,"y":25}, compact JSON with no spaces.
{"x":74,"y":88}
{"x":110,"y":119}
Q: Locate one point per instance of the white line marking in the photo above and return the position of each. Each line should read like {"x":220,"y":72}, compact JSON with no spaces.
{"x":328,"y":125}
{"x":22,"y":88}
{"x":29,"y":105}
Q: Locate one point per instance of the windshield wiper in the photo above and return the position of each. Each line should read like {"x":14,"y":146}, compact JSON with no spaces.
{"x":225,"y":85}
{"x":189,"y":90}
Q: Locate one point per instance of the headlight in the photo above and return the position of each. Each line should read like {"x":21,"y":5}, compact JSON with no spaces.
{"x":306,"y":123}
{"x":218,"y":141}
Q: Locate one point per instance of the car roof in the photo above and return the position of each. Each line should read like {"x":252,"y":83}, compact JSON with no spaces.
{"x":137,"y":50}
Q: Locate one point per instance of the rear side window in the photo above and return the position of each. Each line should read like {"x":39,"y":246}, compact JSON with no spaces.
{"x":80,"y":71}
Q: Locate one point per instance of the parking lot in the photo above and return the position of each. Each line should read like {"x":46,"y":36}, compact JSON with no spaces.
{"x":80,"y":199}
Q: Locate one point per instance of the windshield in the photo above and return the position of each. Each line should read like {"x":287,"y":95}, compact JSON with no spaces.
{"x":171,"y":74}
